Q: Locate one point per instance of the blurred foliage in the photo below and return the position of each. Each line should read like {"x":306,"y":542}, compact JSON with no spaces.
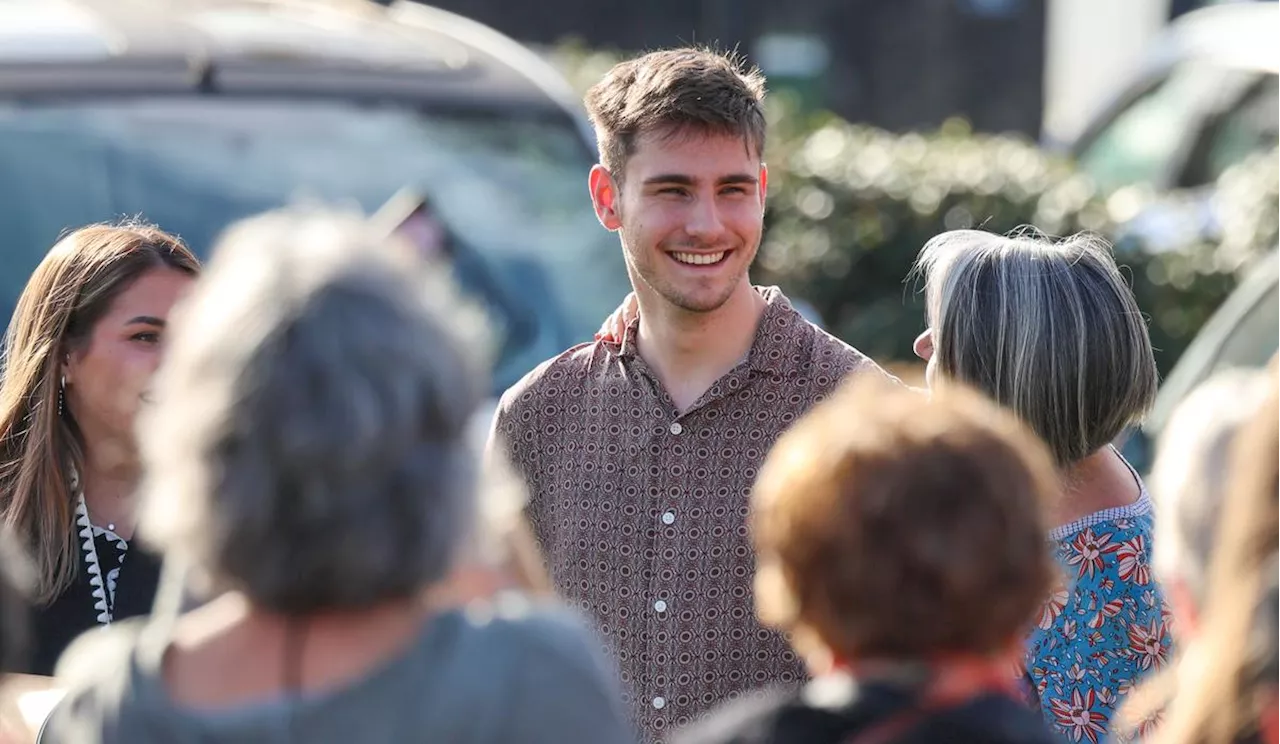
{"x":850,"y":206}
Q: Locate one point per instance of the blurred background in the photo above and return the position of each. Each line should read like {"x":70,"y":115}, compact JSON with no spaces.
{"x":1152,"y":122}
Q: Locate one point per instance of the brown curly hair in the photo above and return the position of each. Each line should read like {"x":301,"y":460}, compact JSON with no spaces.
{"x":892,"y":526}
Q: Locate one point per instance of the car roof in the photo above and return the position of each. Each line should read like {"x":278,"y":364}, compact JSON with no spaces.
{"x":49,"y":47}
{"x":1238,"y":35}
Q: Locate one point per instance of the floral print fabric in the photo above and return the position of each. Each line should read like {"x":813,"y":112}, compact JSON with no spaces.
{"x":1105,"y":630}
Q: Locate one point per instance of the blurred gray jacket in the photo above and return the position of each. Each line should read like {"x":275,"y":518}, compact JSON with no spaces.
{"x":514,"y":674}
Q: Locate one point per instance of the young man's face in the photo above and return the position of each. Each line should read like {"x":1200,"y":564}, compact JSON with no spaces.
{"x":690,"y":212}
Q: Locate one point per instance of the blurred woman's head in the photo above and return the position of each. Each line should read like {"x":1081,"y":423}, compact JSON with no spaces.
{"x":1226,"y":687}
{"x":310,"y":447}
{"x":917,"y":533}
{"x":1048,"y":329}
{"x":79,"y":355}
{"x":1190,"y":480}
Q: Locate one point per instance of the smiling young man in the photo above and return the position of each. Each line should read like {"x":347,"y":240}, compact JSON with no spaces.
{"x":640,"y":454}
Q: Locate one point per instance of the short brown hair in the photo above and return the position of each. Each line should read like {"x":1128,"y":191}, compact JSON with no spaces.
{"x":890,"y":525}
{"x":674,"y":91}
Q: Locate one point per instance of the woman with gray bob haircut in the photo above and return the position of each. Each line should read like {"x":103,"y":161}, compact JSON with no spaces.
{"x":308,"y":459}
{"x":1051,"y":330}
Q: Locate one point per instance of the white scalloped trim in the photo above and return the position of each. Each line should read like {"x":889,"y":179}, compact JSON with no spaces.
{"x":91,"y":560}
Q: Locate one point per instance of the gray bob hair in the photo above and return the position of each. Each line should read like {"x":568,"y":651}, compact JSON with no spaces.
{"x":1048,"y":329}
{"x":309,"y":442}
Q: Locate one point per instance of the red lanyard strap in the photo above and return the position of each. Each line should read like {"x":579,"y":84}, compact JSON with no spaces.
{"x":952,"y":684}
{"x":1269,"y":724}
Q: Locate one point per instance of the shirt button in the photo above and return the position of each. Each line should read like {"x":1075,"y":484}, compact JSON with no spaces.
{"x":660,"y":606}
{"x":669,"y":517}
{"x":659,"y":703}
{"x":676,"y":428}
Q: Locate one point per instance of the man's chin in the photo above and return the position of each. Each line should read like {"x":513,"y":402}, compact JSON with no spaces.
{"x":700,"y":303}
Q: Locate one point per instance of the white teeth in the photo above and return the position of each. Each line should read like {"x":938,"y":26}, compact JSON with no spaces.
{"x":698,"y":259}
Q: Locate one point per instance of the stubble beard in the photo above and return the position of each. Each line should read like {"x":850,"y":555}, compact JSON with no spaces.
{"x":645,"y":275}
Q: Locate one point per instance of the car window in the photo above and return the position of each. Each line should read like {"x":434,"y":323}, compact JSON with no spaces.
{"x":1145,"y":140}
{"x":1254,"y":339}
{"x":511,"y":189}
{"x":1251,"y":124}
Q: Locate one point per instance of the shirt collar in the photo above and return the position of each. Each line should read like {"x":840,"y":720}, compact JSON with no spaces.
{"x":778,"y":326}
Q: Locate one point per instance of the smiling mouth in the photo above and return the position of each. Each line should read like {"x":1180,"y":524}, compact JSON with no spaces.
{"x":699,"y":259}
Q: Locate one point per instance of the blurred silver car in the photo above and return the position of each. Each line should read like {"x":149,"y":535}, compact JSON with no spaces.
{"x":194,"y":113}
{"x":1243,"y":333}
{"x":1204,"y":99}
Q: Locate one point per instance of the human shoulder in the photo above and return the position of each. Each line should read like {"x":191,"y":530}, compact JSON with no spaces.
{"x":514,"y":625}
{"x":812,"y":350}
{"x":987,"y":719}
{"x":553,"y":378}
{"x":843,"y":357}
{"x":98,"y":673}
{"x":559,"y":684}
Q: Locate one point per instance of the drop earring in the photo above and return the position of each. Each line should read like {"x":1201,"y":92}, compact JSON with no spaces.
{"x":62,"y":393}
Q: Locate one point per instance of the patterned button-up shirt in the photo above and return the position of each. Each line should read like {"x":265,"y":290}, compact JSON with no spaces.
{"x":641,"y":510}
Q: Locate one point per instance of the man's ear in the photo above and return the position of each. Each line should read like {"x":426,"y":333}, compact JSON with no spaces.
{"x":764,"y":183}
{"x":605,"y":197}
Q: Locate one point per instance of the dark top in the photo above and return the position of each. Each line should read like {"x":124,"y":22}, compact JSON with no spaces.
{"x":838,"y":711}
{"x":72,"y":613}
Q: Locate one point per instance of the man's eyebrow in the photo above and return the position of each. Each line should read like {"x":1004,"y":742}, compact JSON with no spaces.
{"x":684,"y":180}
{"x":679,"y":178}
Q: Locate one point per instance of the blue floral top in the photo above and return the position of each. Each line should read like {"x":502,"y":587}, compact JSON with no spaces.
{"x":1105,"y":630}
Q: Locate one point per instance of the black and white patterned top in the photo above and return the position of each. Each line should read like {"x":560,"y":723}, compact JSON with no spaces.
{"x":106,"y":588}
{"x":103,"y":552}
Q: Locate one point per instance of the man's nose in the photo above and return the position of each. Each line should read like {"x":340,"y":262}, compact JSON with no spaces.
{"x":704,"y":221}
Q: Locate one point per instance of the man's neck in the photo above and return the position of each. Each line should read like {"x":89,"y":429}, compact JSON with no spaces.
{"x":690,"y":351}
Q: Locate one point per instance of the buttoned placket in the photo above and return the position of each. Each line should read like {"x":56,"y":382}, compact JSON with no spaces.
{"x":675,"y":430}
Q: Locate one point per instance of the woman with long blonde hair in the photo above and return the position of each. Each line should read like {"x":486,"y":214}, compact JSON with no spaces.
{"x":79,"y":353}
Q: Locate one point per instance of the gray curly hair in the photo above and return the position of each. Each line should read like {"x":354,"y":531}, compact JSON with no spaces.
{"x":308,"y":445}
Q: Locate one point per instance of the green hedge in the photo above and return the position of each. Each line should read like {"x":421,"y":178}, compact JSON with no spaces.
{"x":850,"y":206}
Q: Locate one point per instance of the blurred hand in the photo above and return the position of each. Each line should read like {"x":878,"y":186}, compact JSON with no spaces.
{"x":614,"y":326}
